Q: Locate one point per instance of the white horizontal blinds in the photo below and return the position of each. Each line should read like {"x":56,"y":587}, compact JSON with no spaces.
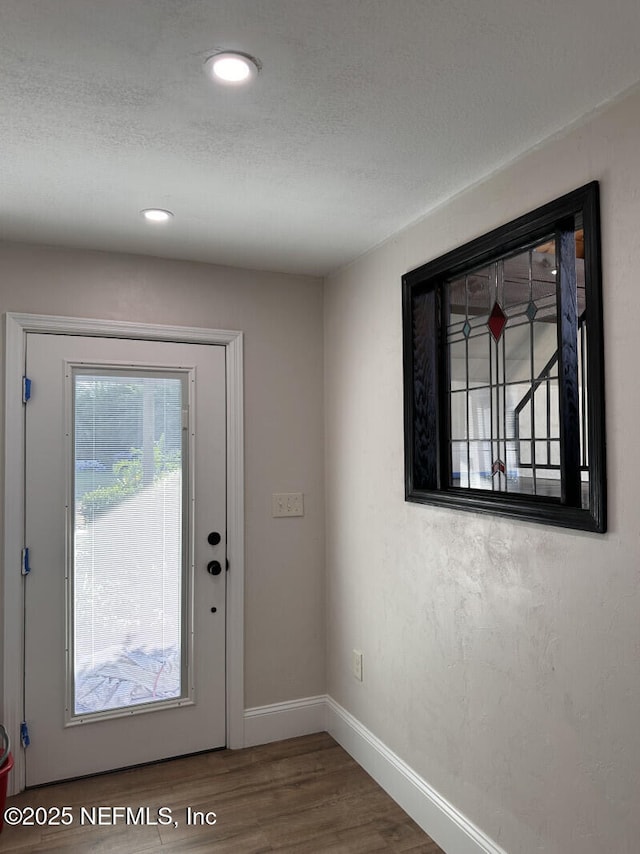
{"x":129,"y":569}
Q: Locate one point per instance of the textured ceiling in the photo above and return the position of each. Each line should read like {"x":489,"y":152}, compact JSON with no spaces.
{"x":366,"y":114}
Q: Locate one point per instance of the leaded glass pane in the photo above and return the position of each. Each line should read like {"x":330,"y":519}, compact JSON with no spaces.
{"x":517,"y":342}
{"x":480,"y":464}
{"x":543,"y":415}
{"x":554,"y":405}
{"x":459,"y":415}
{"x":515,"y":394}
{"x":478,"y":354}
{"x":457,"y":302}
{"x":459,"y":464}
{"x":458,"y":364}
{"x":480,"y":413}
{"x":480,"y":293}
{"x":541,"y":453}
{"x":503,"y":365}
{"x":516,"y":281}
{"x":545,"y":349}
{"x":523,"y":416}
{"x":500,"y":358}
{"x":548,"y":483}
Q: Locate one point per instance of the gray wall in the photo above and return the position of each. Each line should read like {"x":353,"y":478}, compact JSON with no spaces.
{"x":281,"y":317}
{"x":501,"y":658}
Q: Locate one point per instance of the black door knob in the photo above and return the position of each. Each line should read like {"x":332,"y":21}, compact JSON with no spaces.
{"x":214,"y":538}
{"x":214,"y":567}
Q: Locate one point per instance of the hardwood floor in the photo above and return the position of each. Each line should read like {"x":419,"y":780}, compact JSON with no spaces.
{"x":304,"y":796}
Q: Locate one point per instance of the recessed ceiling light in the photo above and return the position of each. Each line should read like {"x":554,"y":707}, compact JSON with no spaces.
{"x":232,"y":67}
{"x":156,"y":215}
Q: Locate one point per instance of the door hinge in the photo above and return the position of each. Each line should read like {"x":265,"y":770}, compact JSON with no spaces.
{"x":24,"y":734}
{"x":26,"y":389}
{"x":26,"y":566}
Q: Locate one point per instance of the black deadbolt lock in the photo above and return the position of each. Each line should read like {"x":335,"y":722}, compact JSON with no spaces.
{"x":214,"y":567}
{"x":214,"y":538}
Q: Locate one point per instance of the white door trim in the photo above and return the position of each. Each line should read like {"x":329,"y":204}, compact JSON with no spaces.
{"x":16,"y":328}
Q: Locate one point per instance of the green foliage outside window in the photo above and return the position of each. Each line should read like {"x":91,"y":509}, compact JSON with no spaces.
{"x":128,"y":474}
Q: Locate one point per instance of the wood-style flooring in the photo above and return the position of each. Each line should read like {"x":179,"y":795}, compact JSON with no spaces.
{"x":304,"y":796}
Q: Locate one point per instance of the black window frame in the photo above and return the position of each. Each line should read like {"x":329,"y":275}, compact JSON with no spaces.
{"x":426,"y":398}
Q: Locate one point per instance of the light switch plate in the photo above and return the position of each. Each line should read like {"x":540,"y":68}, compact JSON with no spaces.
{"x":287,"y":504}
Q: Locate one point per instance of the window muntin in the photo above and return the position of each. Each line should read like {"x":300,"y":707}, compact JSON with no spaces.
{"x":504,"y":406}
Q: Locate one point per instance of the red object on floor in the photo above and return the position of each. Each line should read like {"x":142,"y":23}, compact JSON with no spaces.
{"x":4,"y":779}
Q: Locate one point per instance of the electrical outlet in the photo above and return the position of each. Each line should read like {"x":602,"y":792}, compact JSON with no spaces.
{"x":287,"y":504}
{"x":357,"y":664}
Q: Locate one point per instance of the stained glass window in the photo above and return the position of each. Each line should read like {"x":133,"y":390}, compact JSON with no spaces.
{"x":504,"y":404}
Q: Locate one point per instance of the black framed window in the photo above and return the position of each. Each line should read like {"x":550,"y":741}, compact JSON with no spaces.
{"x":504,"y":373}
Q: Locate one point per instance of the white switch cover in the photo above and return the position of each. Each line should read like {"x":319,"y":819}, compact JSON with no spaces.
{"x":287,"y":504}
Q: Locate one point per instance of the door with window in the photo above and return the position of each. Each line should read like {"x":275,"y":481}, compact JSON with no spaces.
{"x":125,"y":528}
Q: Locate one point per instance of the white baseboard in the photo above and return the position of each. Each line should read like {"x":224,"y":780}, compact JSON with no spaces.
{"x":264,"y":724}
{"x":453,"y":832}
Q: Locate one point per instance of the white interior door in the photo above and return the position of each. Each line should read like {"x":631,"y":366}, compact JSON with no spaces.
{"x":125,"y":527}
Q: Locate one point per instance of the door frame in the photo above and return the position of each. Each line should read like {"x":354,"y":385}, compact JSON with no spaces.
{"x":16,"y":327}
